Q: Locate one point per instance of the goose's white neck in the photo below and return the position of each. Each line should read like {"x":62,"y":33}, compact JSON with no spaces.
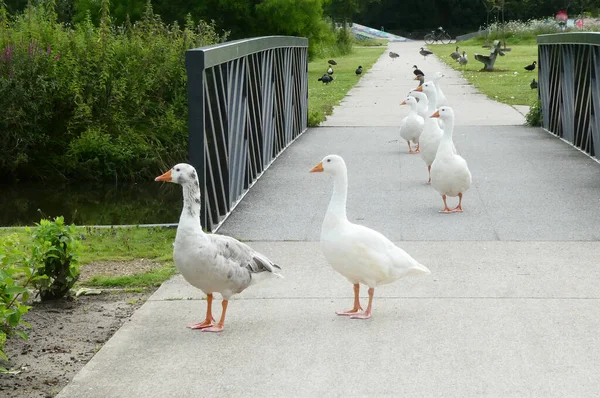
{"x":446,"y":143}
{"x":432,"y":98}
{"x":190,"y":215}
{"x":336,"y":212}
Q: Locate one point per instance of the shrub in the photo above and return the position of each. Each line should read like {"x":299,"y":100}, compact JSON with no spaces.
{"x":15,"y":275}
{"x":534,"y":116}
{"x":88,"y":102}
{"x":55,"y":253}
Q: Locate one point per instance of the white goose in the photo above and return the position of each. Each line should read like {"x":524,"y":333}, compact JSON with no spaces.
{"x":432,"y":133}
{"x":450,"y":175}
{"x":412,"y":125}
{"x":423,"y":105}
{"x":212,"y":263}
{"x":441,"y":98}
{"x":358,"y":253}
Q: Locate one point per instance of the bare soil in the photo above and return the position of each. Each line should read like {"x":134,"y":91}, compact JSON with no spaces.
{"x":66,"y":334}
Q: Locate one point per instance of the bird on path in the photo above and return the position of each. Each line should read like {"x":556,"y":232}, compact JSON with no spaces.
{"x":421,"y":80}
{"x":358,"y":71}
{"x":210,"y":262}
{"x":330,"y":71}
{"x":455,"y":55}
{"x":530,"y":67}
{"x":533,"y":84}
{"x":418,"y":71}
{"x":393,"y":55}
{"x":424,"y":52}
{"x":325,"y":79}
{"x":332,"y":62}
{"x":360,"y":254}
{"x":450,"y":175}
{"x":463,"y":60}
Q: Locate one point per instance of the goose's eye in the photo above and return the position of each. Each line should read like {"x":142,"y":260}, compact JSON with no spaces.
{"x":177,"y":169}
{"x":329,"y":160}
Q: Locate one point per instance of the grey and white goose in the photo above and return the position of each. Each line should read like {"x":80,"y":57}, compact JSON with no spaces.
{"x":210,"y":262}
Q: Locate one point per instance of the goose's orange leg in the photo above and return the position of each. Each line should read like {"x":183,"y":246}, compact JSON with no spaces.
{"x":429,"y":171}
{"x":459,"y":207}
{"x":409,"y":147}
{"x":208,"y":322}
{"x":357,"y":308}
{"x":446,"y":208}
{"x":367,"y":313}
{"x":219,"y":326}
{"x":418,"y":150}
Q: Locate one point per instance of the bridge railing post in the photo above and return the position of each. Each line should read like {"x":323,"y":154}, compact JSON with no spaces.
{"x":569,"y":73}
{"x":247,"y":102}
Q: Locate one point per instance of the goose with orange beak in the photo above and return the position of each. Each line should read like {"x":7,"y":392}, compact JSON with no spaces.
{"x":210,"y":262}
{"x":432,"y":133}
{"x":450,"y":175}
{"x":360,"y":254}
{"x":412,"y":125}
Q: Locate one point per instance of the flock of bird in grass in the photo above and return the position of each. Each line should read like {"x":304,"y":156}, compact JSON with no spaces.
{"x":221,"y":264}
{"x":328,"y":77}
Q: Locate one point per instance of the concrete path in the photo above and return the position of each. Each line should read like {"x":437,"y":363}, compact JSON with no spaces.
{"x":511,"y":308}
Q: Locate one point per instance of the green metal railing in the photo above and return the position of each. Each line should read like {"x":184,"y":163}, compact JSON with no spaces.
{"x":247,"y":101}
{"x":569,"y":87}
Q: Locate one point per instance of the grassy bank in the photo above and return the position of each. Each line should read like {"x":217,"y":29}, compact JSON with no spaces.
{"x":322,"y":98}
{"x":502,"y":84}
{"x":122,"y":248}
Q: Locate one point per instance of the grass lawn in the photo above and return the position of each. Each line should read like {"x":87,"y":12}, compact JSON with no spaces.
{"x":501,"y":84}
{"x":322,"y":98}
{"x":122,"y":245}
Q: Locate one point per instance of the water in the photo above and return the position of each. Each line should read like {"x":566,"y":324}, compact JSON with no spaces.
{"x":147,"y":203}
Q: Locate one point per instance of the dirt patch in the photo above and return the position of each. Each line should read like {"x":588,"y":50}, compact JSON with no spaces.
{"x":116,"y":268}
{"x":66,"y":334}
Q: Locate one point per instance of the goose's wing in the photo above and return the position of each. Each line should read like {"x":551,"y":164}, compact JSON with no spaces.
{"x":239,"y":253}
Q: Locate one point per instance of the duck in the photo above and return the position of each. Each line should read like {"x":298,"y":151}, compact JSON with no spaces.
{"x":422,"y":103}
{"x":332,"y":62}
{"x":441,"y":98}
{"x":533,"y":84}
{"x":463,"y":60}
{"x":455,"y":55}
{"x":210,"y":262}
{"x":330,"y":71}
{"x":530,"y":67}
{"x":429,"y":140}
{"x":360,"y":254}
{"x":393,"y":55}
{"x":325,"y":79}
{"x":450,"y":175}
{"x":417,"y":71}
{"x":412,"y":125}
{"x":424,"y":52}
{"x":358,"y":71}
{"x":421,"y":79}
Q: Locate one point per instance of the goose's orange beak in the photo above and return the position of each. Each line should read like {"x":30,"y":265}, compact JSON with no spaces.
{"x":164,"y":177}
{"x":416,"y":78}
{"x":420,"y":88}
{"x":436,"y":114}
{"x":403,"y":102}
{"x":317,"y":169}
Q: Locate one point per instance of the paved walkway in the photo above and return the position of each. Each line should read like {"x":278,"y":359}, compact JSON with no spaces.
{"x":511,"y":308}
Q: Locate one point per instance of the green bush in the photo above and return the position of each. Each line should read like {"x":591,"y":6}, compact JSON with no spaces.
{"x":88,"y":102}
{"x":16,"y":274}
{"x":55,"y":250}
{"x":534,"y":116}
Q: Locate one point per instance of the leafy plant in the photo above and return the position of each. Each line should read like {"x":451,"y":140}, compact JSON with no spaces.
{"x":534,"y":116}
{"x":16,"y":274}
{"x":55,"y":251}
